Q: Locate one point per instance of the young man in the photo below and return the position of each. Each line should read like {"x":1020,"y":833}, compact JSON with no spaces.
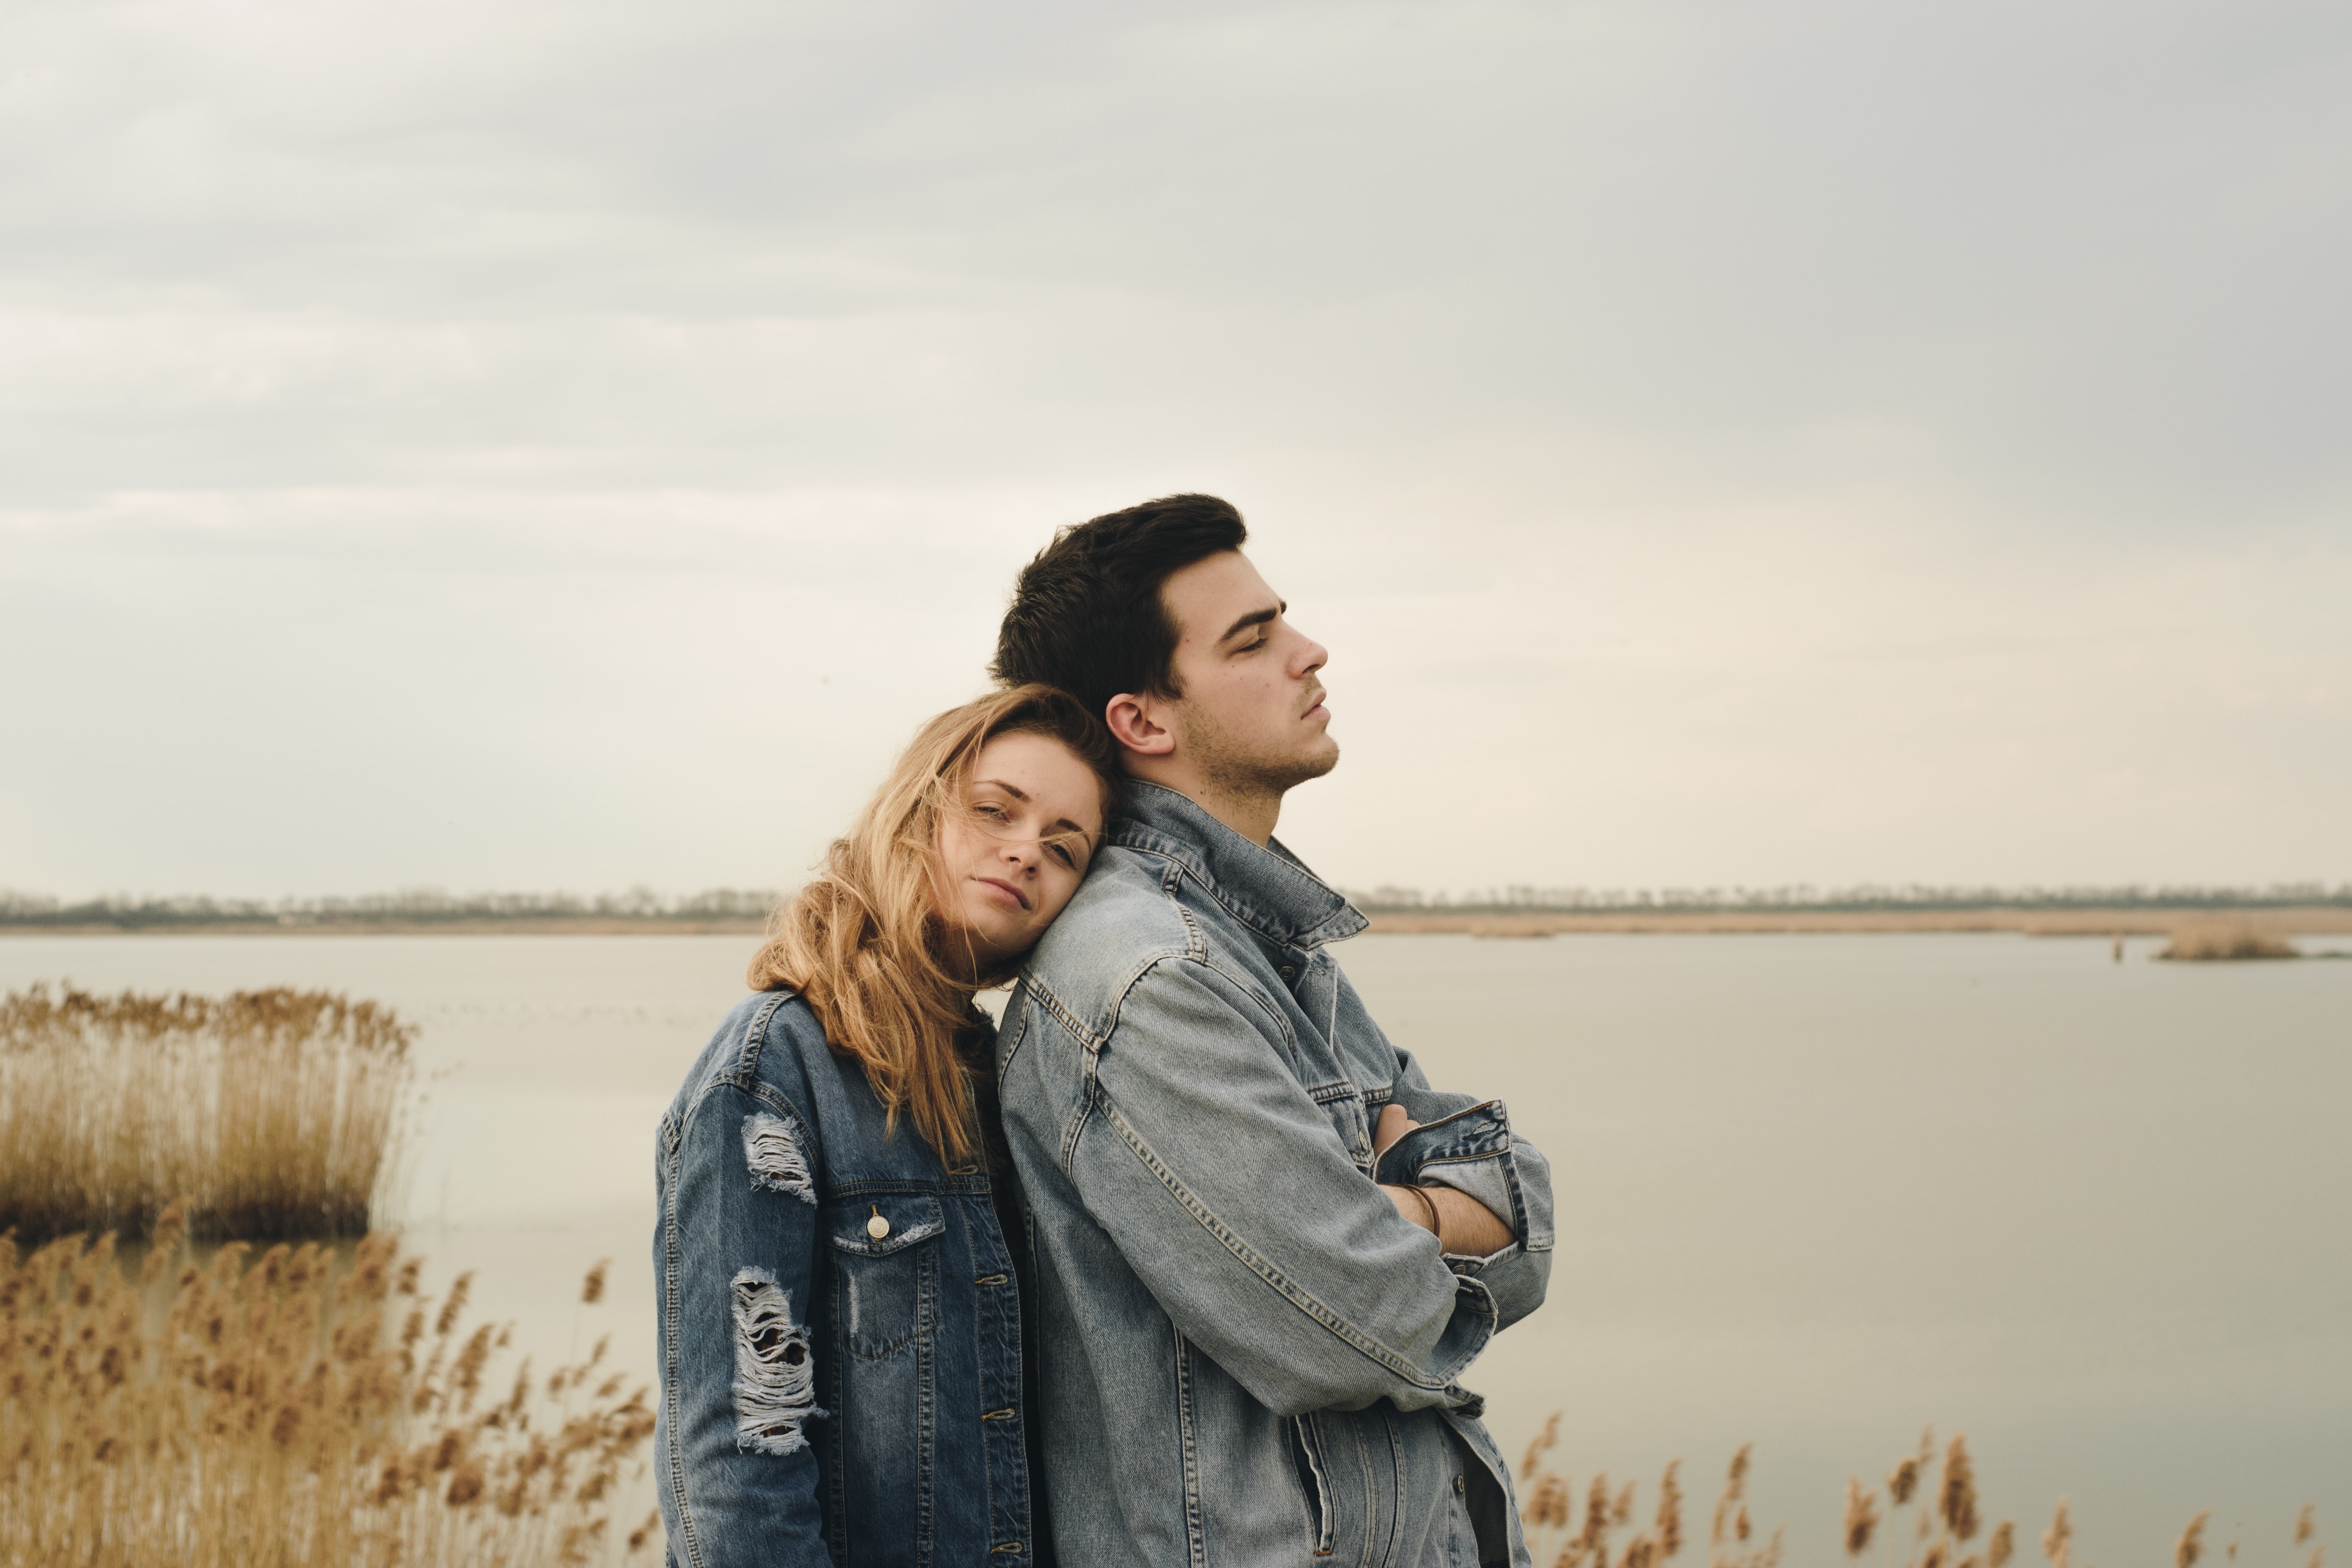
{"x":1266,"y":1250}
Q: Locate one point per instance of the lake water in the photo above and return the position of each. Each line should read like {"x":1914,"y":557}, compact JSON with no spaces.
{"x":1814,"y":1191}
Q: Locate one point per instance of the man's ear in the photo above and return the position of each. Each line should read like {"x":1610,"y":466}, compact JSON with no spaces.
{"x":1135,"y":724}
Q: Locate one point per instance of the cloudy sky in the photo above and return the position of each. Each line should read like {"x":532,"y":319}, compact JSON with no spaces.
{"x":519,"y":445}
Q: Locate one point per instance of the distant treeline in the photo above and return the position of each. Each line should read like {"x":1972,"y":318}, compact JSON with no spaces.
{"x":1806,"y":899}
{"x":433,"y":906}
{"x":416,"y":907}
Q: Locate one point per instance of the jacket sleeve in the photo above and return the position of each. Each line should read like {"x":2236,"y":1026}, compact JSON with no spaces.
{"x":1469,"y":1145}
{"x":734,"y":1260}
{"x":1230,"y":1194}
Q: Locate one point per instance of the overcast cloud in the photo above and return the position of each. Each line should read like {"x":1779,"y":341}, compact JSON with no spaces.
{"x":569,"y":445}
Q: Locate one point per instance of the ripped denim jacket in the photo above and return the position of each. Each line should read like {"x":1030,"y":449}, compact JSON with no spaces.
{"x":839,"y":1319}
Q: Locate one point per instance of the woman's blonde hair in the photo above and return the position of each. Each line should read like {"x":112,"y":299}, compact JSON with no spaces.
{"x":863,"y":943}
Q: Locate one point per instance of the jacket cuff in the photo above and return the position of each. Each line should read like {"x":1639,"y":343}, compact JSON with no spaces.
{"x":1471,"y":1151}
{"x":1478,"y":1317}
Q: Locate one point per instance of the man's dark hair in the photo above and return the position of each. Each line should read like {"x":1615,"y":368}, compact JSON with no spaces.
{"x":1086,"y":614}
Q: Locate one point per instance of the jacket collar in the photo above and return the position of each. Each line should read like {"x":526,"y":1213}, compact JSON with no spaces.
{"x":1269,"y":889}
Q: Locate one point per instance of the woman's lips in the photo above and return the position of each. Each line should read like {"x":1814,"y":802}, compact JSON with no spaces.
{"x":1015,"y":894}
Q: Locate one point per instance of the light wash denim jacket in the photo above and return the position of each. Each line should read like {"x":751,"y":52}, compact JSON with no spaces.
{"x":1247,"y":1356}
{"x":841,"y":1376}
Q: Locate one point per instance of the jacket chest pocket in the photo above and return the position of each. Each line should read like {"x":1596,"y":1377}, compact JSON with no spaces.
{"x":886,"y":1271}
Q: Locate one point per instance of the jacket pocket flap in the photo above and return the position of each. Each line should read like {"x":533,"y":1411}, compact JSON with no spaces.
{"x":904,"y":1219}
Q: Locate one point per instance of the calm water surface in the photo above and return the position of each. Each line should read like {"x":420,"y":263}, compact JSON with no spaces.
{"x":1814,"y":1191}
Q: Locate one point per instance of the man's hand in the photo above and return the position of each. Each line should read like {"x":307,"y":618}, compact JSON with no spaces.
{"x":1463,"y":1226}
{"x":1392,"y":1125}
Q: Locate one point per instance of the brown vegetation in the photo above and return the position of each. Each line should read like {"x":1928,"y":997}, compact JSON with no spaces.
{"x":2225,"y":941}
{"x":306,"y":1407}
{"x":271,"y":1111}
{"x":1945,"y":1518}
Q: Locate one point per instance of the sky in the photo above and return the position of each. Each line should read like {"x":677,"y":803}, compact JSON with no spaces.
{"x":568,"y":446}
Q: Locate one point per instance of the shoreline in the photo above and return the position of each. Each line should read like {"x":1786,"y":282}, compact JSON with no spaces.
{"x":2282,"y":922}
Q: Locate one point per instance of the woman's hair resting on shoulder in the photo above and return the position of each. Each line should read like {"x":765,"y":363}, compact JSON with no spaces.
{"x":889,"y":977}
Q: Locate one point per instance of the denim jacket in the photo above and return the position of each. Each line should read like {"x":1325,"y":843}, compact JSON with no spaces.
{"x":840,"y":1325}
{"x":1247,"y":1356}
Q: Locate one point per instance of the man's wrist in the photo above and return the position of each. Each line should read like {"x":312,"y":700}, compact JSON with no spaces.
{"x":1435,"y":1224}
{"x":1420,"y":1209}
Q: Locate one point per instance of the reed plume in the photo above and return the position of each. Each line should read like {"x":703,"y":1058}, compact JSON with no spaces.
{"x":1547,"y":1504}
{"x":1551,"y":1506}
{"x":1957,"y":1501}
{"x":2191,"y":1544}
{"x":1594,"y":1542}
{"x":261,"y":1412}
{"x":1861,"y":1517}
{"x":1670,"y":1510}
{"x":2056,"y":1541}
{"x":1542,"y":1444}
{"x":1949,"y":1516}
{"x":273,"y":1112}
{"x":1735,"y":1485}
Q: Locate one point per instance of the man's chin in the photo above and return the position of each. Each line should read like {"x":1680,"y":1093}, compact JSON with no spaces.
{"x":1312,"y":762}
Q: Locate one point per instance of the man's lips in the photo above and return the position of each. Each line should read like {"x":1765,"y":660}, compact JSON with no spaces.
{"x":1019,"y":897}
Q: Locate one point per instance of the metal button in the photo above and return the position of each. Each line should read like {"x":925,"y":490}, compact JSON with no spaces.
{"x":1288,"y":972}
{"x":1459,"y":1485}
{"x":877,"y":1227}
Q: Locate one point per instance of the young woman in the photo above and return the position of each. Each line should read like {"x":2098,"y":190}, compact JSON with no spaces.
{"x":842,"y":1376}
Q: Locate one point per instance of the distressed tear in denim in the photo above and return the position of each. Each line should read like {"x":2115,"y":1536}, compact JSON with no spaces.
{"x":774,"y":1157}
{"x":775,"y":1378}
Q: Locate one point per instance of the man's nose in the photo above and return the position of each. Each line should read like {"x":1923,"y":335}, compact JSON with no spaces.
{"x":1311,"y":657}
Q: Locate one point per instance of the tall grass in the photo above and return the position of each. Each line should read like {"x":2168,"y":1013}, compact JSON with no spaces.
{"x":272,"y":1112}
{"x":303,"y":1408}
{"x":2224,"y":942}
{"x":1941,"y":1530}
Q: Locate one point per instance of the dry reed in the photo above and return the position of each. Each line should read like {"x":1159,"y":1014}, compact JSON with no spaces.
{"x":2191,"y":1545}
{"x":287,"y":1411}
{"x":2225,"y":942}
{"x":1947,"y":1515}
{"x":272,"y":1112}
{"x":1861,"y":1517}
{"x":2057,"y":1541}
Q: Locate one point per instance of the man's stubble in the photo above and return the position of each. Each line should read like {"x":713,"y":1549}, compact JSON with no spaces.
{"x":1230,"y":765}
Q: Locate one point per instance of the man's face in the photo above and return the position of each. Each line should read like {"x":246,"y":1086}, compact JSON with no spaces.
{"x":1252,"y":716}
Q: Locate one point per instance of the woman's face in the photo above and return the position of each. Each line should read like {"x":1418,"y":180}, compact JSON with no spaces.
{"x":1011,"y":858}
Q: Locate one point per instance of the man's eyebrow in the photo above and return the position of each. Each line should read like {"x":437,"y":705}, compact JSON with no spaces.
{"x":1015,"y":792}
{"x":1254,"y":618}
